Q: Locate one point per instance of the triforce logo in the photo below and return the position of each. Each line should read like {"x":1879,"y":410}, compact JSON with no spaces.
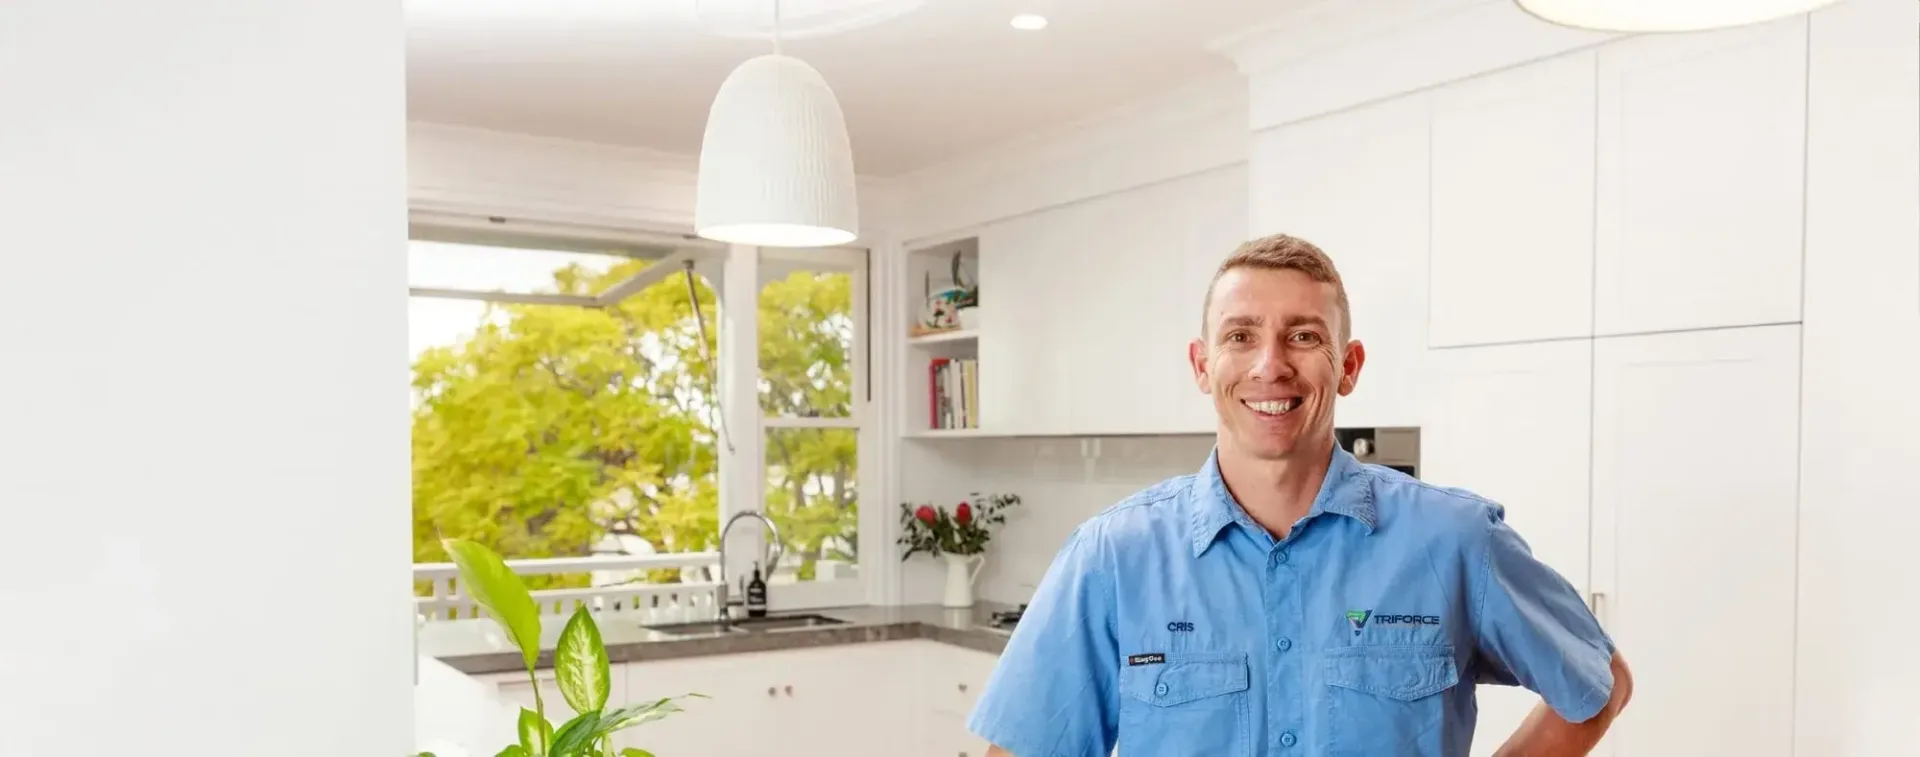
{"x":1359,"y":619}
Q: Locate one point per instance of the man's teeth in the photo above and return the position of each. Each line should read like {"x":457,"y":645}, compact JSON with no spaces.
{"x":1275,"y":407}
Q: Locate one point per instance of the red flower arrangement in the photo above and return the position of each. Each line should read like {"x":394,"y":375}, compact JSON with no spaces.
{"x":964,"y":531}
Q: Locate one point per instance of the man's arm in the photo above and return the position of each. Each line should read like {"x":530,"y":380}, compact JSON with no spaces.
{"x":1534,"y":629}
{"x":1546,"y":734}
{"x":1054,"y":691}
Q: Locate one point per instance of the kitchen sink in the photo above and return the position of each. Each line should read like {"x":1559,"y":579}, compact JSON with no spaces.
{"x":775,"y":622}
{"x":746,"y":625}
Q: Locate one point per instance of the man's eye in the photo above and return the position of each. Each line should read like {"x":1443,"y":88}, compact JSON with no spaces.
{"x":1237,"y":336}
{"x":1306,"y":337}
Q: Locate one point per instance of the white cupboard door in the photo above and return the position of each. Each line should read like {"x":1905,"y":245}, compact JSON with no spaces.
{"x":1022,"y":313}
{"x":1513,"y":205}
{"x":1512,"y":423}
{"x":1354,"y":183}
{"x":737,"y":699}
{"x":1702,"y":145}
{"x":1696,"y":439}
{"x":516,"y":689}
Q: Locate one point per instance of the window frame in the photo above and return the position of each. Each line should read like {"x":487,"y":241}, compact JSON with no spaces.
{"x":737,"y":274}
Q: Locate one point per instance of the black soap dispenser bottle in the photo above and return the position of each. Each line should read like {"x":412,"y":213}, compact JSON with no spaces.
{"x":756,"y":594}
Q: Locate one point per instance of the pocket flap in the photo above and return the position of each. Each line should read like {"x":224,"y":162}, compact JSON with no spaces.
{"x":1184,"y":677}
{"x":1405,"y":673}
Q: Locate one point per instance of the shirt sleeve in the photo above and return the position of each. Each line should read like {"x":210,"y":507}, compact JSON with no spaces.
{"x":1054,"y":692}
{"x":1534,"y":629}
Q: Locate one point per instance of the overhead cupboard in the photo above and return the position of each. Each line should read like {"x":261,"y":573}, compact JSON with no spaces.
{"x":1082,"y":319}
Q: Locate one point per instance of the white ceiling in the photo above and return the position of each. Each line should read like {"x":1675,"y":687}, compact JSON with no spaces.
{"x":944,"y":79}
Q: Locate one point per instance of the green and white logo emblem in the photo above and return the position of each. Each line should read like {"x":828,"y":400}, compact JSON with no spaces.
{"x":1359,"y":619}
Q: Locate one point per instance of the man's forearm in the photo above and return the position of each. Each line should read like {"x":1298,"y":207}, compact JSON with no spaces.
{"x":1546,"y":734}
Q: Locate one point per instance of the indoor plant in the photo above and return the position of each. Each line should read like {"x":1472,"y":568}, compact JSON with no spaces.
{"x":579,"y":661}
{"x":959,"y":537}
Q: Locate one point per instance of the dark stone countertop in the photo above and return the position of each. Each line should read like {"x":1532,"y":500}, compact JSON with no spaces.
{"x":478,"y":647}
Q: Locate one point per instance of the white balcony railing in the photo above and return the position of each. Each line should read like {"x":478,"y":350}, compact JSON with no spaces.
{"x":617,"y":582}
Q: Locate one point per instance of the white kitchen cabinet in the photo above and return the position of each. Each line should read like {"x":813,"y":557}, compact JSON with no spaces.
{"x":1513,"y":210}
{"x":1355,"y":183}
{"x":1701,"y":168}
{"x":1695,"y":473}
{"x":1109,"y":357}
{"x":516,"y":689}
{"x":1511,"y":423}
{"x":951,"y":679}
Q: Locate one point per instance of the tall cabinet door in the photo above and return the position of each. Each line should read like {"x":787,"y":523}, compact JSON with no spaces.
{"x":1355,"y":184}
{"x":1511,"y":423}
{"x":1695,"y":509}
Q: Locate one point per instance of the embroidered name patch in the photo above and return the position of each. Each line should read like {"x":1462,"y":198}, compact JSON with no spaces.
{"x":1146,"y":659}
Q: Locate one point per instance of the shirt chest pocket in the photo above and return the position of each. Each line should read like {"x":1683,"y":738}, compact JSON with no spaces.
{"x":1185,"y":703}
{"x":1389,"y":700}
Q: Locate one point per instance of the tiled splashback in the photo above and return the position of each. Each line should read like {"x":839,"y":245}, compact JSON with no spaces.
{"x":1061,"y":483}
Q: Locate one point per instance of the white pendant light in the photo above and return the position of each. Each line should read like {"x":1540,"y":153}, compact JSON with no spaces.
{"x":776,"y":167}
{"x":1645,"y":16}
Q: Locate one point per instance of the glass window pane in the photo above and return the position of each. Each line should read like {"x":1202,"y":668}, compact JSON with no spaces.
{"x":514,"y":270}
{"x":813,"y":496}
{"x":806,"y":345}
{"x":556,"y":431}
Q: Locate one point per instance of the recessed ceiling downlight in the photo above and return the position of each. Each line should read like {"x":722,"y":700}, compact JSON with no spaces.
{"x":1029,"y":22}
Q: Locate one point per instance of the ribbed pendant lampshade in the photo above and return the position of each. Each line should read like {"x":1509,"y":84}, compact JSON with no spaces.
{"x":776,"y":167}
{"x":1644,"y":16}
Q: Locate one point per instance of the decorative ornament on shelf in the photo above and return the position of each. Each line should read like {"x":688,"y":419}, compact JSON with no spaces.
{"x":776,"y":165}
{"x":958,"y":537}
{"x":1645,"y":16}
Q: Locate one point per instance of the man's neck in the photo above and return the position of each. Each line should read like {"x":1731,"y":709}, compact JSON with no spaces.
{"x":1277,"y":493}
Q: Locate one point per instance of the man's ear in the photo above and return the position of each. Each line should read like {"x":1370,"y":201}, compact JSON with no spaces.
{"x":1197,"y":358}
{"x":1356,"y":357}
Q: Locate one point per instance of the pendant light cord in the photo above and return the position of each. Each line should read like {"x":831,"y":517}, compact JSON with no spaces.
{"x":776,"y":27}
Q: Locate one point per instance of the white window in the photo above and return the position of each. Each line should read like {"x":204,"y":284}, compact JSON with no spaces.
{"x":568,"y":401}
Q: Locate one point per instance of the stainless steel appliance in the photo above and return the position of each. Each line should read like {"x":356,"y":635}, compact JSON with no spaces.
{"x":1394,"y":447}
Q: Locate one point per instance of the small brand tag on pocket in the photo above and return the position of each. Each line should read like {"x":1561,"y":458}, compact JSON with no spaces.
{"x":1146,"y":659}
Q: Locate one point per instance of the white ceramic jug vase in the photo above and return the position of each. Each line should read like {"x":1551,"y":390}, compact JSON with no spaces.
{"x":961,"y":572}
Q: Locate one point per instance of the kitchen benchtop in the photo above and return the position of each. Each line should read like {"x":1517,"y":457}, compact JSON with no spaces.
{"x":478,"y":647}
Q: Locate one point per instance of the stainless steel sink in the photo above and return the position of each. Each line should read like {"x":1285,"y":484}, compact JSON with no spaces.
{"x":776,"y":622}
{"x":746,"y":625}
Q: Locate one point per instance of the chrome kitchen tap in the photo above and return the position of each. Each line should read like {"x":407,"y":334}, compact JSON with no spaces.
{"x":724,"y":604}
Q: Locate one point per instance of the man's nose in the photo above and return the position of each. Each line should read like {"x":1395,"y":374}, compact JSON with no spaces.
{"x":1270,"y":364}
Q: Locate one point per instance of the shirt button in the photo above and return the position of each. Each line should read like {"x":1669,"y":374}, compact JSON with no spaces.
{"x":1288,"y":739}
{"x":1280,"y":556}
{"x":1284,"y":644}
{"x":1160,"y":689}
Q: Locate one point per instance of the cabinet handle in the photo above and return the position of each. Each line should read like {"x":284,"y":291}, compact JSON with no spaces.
{"x":789,"y":690}
{"x":773,"y":691}
{"x":1597,"y":606}
{"x":963,"y":690}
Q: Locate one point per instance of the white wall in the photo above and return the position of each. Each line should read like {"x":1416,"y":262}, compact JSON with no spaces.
{"x":203,"y":408}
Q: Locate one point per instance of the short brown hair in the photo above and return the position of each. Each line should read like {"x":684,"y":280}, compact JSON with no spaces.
{"x":1281,"y":252}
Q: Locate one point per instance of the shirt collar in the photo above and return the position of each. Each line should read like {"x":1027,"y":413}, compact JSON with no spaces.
{"x":1344,"y":491}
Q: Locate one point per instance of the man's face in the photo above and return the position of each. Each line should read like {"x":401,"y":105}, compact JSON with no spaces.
{"x":1273,"y":361}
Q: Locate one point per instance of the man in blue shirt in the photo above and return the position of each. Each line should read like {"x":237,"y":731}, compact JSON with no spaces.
{"x":1286,"y":598}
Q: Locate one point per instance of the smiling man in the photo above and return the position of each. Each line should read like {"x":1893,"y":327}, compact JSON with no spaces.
{"x":1287,"y":598}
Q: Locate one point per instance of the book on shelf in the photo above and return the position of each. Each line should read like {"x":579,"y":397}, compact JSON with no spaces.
{"x":953,"y":393}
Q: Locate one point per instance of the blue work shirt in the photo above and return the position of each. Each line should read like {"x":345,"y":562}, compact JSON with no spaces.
{"x":1172,"y":624}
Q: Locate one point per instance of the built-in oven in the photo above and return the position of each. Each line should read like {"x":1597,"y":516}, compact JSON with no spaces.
{"x":1394,"y":447}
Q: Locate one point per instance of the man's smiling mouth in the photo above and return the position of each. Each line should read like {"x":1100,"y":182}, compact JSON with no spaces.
{"x":1273,"y":407}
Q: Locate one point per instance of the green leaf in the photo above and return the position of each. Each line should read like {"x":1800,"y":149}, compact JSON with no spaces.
{"x":513,"y":750}
{"x":635,"y":752}
{"x":535,"y":732}
{"x":628,"y":717}
{"x":486,"y":578}
{"x":580,"y":662}
{"x":576,"y":735}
